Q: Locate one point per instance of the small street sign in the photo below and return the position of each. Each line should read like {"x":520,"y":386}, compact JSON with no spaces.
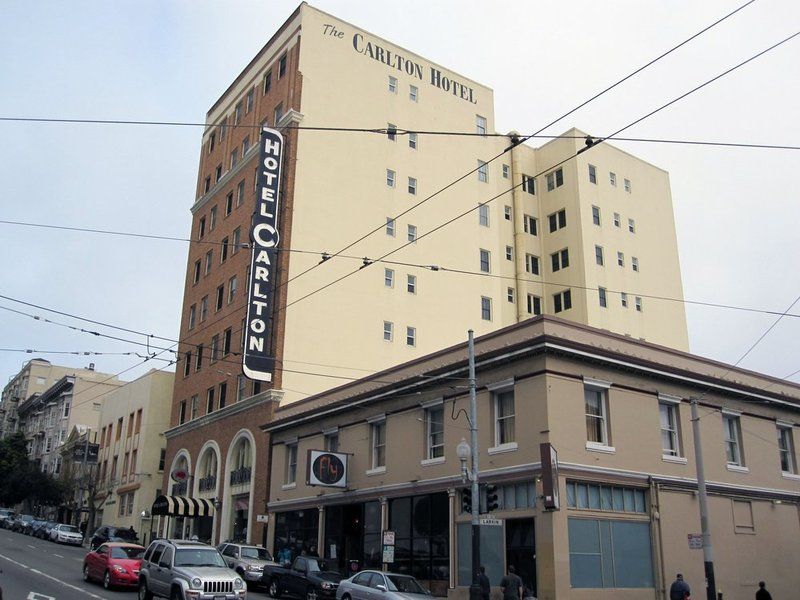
{"x":388,"y":538}
{"x":388,"y":554}
{"x":695,"y":541}
{"x":491,"y":522}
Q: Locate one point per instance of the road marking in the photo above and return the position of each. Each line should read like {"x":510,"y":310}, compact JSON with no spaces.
{"x":64,"y":583}
{"x":29,"y":546}
{"x":58,"y":555}
{"x":38,"y":596}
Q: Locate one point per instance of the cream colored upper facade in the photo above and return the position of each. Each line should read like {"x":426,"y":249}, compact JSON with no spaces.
{"x":132,"y":445}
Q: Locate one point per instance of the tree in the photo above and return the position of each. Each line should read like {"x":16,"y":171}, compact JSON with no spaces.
{"x":21,"y":479}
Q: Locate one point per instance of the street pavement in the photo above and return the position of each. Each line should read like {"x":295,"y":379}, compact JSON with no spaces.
{"x":33,"y":569}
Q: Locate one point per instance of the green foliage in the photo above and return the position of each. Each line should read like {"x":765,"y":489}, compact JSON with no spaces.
{"x":21,"y":480}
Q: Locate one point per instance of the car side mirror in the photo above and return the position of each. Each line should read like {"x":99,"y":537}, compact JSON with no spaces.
{"x":381,"y":587}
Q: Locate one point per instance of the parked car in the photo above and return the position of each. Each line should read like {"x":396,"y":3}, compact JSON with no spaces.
{"x":247,"y":561}
{"x":110,"y":533}
{"x":7,"y":517}
{"x":307,"y":578}
{"x":43,"y":532}
{"x":115,"y":564}
{"x":66,"y":534}
{"x":368,"y":585}
{"x":21,"y":522}
{"x":35,"y":526}
{"x":183,"y":570}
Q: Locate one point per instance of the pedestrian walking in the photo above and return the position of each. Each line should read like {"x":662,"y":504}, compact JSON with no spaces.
{"x":762,"y":593}
{"x":511,"y":585}
{"x":679,"y":590}
{"x":483,"y":581}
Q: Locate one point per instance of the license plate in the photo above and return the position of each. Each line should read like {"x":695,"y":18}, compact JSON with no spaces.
{"x":219,"y":597}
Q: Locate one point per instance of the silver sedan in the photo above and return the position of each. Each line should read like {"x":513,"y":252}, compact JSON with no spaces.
{"x":378,"y":585}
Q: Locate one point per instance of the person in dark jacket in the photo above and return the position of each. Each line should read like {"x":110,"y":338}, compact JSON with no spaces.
{"x":511,"y":585}
{"x":762,"y":593}
{"x":486,"y":587}
{"x":679,"y":589}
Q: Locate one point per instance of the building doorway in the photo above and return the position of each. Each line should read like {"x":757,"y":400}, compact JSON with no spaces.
{"x":521,"y":550}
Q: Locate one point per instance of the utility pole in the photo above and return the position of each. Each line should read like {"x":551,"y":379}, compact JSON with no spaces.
{"x":708,"y":559}
{"x":475,"y":588}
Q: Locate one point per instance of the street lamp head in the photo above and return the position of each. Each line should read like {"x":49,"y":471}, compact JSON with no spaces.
{"x":463,"y":450}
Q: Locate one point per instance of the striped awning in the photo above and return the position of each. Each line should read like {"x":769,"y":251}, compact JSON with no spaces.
{"x":182,"y":506}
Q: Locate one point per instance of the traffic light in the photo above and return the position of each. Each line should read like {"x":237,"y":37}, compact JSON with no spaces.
{"x":466,"y":500}
{"x":492,"y":502}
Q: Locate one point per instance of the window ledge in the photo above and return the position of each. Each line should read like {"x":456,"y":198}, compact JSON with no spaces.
{"x":509,"y":447}
{"x":289,"y":486}
{"x":792,"y":476}
{"x":376,"y":471}
{"x":681,"y":460}
{"x":737,"y":469}
{"x":595,"y":447}
{"x":432,"y":461}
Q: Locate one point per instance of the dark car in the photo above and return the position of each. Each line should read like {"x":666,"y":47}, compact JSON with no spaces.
{"x":43,"y":533}
{"x":21,"y":522}
{"x":35,"y":526}
{"x":307,"y":578}
{"x":110,"y":533}
{"x":7,"y":517}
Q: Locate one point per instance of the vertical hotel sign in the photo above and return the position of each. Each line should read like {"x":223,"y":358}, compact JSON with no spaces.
{"x":264,"y":238}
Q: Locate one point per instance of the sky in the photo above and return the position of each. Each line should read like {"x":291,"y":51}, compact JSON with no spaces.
{"x":736,"y":208}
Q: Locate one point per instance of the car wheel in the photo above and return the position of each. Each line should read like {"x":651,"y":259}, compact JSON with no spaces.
{"x":311,"y":593}
{"x":86,"y":576}
{"x":346,"y":597}
{"x":144,"y":593}
{"x":176,"y":594}
{"x":274,"y":590}
{"x":107,"y":580}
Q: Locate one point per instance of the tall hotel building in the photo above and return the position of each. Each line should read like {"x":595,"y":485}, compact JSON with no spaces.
{"x":592,"y":240}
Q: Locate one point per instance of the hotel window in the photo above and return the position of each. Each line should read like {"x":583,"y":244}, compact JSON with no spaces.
{"x":601,"y":292}
{"x":555,"y":179}
{"x":434,"y":423}
{"x":509,"y":253}
{"x":594,"y":496}
{"x":249,"y":102}
{"x":194,"y":408}
{"x":592,"y":174}
{"x":411,"y":336}
{"x":507,"y":212}
{"x":278,"y":114}
{"x":596,"y":215}
{"x":530,"y":224}
{"x":634,"y":263}
{"x":241,"y":387}
{"x":612,"y":178}
{"x":282,"y":66}
{"x":559,"y":260}
{"x":268,"y":81}
{"x":240,"y":193}
{"x":187,"y":364}
{"x":506,"y":171}
{"x":192,"y":315}
{"x":733,"y":439}
{"x":620,"y":259}
{"x":485,"y":258}
{"x":562,"y":301}
{"x":210,"y":392}
{"x":226,"y":341}
{"x":212,"y":218}
{"x":211,"y":141}
{"x":411,"y":284}
{"x":623,"y":298}
{"x":616,"y":220}
{"x":388,"y":331}
{"x":201,"y":228}
{"x":220,"y":297}
{"x":668,"y":413}
{"x":331,"y":441}
{"x":206,"y":185}
{"x":631,"y":225}
{"x":228,"y":203}
{"x":223,"y":255}
{"x":504,"y":417}
{"x":392,"y":84}
{"x":480,"y":124}
{"x":291,"y":464}
{"x":413,"y":93}
{"x":596,"y":403}
{"x":378,"y":443}
{"x":237,"y":114}
{"x":218,"y":173}
{"x":162,"y":459}
{"x":483,"y":215}
{"x":391,"y":132}
{"x":412,"y":140}
{"x":486,"y":308}
{"x":786,"y":449}
{"x":390,"y":226}
{"x":245,"y":145}
{"x":214,"y":347}
{"x":412,"y":186}
{"x":528,"y":184}
{"x":209,"y":260}
{"x":534,"y":305}
{"x":628,"y":185}
{"x":412,"y":233}
{"x":203,"y":308}
{"x":237,"y":240}
{"x":638,"y":303}
{"x":198,"y":361}
{"x":598,"y":255}
{"x":483,"y":175}
{"x":223,"y":129}
{"x":232,"y":285}
{"x":388,"y":277}
{"x":532,"y":264}
{"x":557,"y":220}
{"x":390,"y":178}
{"x":510,"y":294}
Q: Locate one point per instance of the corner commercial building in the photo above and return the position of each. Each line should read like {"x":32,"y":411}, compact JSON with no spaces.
{"x":614,"y":409}
{"x":565,"y":240}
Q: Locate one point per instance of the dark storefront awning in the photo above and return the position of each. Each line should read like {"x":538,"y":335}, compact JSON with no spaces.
{"x":181,"y":506}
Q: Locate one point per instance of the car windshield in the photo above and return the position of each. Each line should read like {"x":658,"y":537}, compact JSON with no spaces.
{"x":26,"y":518}
{"x":127,"y":552}
{"x":69,"y":529}
{"x":198,"y":557}
{"x":126,"y":534}
{"x":404,"y":584}
{"x":315,"y":565}
{"x":253,"y":552}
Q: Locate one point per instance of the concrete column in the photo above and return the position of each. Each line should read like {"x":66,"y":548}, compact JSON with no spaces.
{"x":451,"y":536}
{"x":321,"y":530}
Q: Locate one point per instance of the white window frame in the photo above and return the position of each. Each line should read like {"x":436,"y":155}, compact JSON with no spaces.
{"x":635,"y":263}
{"x":412,"y":140}
{"x":509,"y":253}
{"x":412,"y":233}
{"x":592,"y":174}
{"x":290,"y":473}
{"x":620,"y":259}
{"x":617,"y":220}
{"x":413,"y":93}
{"x":506,"y":171}
{"x":483,"y":215}
{"x":628,"y":185}
{"x":388,"y":278}
{"x":392,"y":84}
{"x":599,"y":258}
{"x":638,"y":303}
{"x":733,"y":418}
{"x":390,"y":226}
{"x":481,"y":125}
{"x":672,"y":405}
{"x":434,"y":452}
{"x":411,"y":284}
{"x":411,"y":336}
{"x":623,"y":297}
{"x":612,"y":178}
{"x":600,"y":387}
{"x":510,"y":294}
{"x":486,"y":307}
{"x":412,"y":186}
{"x":377,"y":424}
{"x":483,"y":172}
{"x":498,"y":390}
{"x":602,"y":296}
{"x":388,"y":331}
{"x":789,"y":450}
{"x":484,"y":257}
{"x":391,"y":178}
{"x":596,"y":216}
{"x":508,"y":212}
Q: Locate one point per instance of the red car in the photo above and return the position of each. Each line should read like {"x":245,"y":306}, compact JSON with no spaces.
{"x":115,"y":564}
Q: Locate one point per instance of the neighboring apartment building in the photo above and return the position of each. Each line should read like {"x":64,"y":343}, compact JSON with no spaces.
{"x":47,"y":418}
{"x":132,"y":450}
{"x":587,"y":240}
{"x":35,"y":376}
{"x":616,"y":411}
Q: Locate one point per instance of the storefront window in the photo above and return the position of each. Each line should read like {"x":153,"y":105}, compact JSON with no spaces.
{"x":296,"y":531}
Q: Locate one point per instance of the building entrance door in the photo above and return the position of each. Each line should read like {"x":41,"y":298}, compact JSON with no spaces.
{"x":521,"y":550}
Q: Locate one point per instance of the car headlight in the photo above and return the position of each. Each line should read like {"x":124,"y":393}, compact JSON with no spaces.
{"x":238,"y":583}
{"x":120,"y":569}
{"x":327,"y":585}
{"x":196,"y":583}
